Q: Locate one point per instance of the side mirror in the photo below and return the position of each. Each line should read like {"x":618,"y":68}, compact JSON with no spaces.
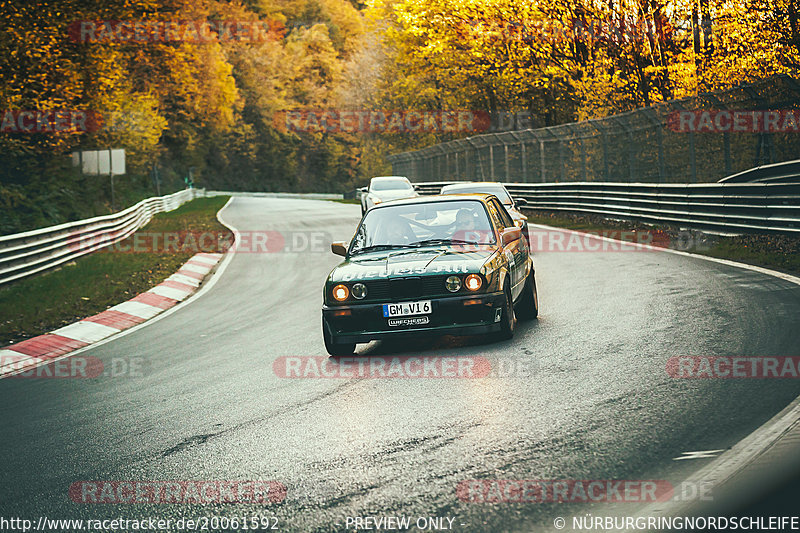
{"x":362,"y":189}
{"x":520,"y":201}
{"x":339,"y":248}
{"x":510,"y":235}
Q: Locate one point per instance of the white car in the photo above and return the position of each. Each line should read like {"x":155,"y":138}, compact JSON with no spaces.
{"x":385,"y":188}
{"x":512,"y":205}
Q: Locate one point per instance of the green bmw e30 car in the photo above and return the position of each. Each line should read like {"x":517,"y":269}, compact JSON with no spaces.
{"x":436,"y":265}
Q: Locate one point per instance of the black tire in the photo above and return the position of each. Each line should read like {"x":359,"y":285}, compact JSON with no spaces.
{"x":528,"y":305}
{"x":508,"y":320}
{"x":334,"y":348}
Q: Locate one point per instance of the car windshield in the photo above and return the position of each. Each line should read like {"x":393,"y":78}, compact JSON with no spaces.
{"x":496,"y":190}
{"x":390,"y":185}
{"x":424,"y":224}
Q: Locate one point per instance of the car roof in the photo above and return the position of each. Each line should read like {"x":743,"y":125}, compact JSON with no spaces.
{"x":478,"y":184}
{"x":483,"y":197}
{"x":474,"y":183}
{"x":381,"y":178}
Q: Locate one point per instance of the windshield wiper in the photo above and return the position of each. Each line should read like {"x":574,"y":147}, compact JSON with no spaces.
{"x":429,"y":242}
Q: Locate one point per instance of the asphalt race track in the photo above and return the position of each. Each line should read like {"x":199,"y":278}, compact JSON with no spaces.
{"x":594,"y":400}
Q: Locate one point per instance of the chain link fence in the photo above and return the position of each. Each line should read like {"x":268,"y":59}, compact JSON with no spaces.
{"x":646,"y":145}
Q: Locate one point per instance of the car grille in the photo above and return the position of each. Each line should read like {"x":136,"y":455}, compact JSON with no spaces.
{"x":405,"y":288}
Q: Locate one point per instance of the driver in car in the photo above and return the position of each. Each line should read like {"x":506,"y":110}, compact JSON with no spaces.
{"x":465,"y":228}
{"x":397,"y":231}
{"x":465,"y":220}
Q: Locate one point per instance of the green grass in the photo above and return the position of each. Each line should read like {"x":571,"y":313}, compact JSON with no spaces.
{"x":778,"y":252}
{"x":577,"y":222}
{"x":769,"y":252}
{"x":98,"y":281}
{"x":347,"y":201}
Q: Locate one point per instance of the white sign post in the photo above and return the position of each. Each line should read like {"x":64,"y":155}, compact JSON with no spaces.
{"x":109,"y":162}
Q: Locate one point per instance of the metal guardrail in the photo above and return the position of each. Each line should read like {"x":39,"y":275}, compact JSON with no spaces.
{"x":290,"y":195}
{"x":718,"y":207}
{"x":31,"y":252}
{"x":787,"y":171}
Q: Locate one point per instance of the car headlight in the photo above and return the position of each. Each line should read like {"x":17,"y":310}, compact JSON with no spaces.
{"x":453,"y":283}
{"x":359,"y":291}
{"x":340,"y":293}
{"x":473,"y":282}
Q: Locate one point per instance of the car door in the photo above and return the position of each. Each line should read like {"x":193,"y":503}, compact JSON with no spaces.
{"x":514,"y":251}
{"x":524,"y":247}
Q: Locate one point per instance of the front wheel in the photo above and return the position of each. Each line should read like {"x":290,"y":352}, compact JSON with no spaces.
{"x":528,"y":306}
{"x":336,"y":348}
{"x":507,"y":320}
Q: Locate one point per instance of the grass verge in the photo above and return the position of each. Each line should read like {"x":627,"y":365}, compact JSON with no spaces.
{"x":105,"y":278}
{"x":347,"y":201}
{"x":778,"y":252}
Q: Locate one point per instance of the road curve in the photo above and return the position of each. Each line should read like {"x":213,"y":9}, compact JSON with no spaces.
{"x":597,"y":402}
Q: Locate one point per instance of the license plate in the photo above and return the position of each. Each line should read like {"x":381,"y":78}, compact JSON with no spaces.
{"x":413,"y":321}
{"x":407,"y":308}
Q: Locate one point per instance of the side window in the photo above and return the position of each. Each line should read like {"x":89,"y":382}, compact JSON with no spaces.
{"x":501,"y":214}
{"x":496,"y":220}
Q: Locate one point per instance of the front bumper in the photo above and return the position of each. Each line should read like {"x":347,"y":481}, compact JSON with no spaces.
{"x":472,"y":314}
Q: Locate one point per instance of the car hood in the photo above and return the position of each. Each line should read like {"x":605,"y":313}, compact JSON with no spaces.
{"x":403,"y":262}
{"x":393,"y":195}
{"x":515,"y":214}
